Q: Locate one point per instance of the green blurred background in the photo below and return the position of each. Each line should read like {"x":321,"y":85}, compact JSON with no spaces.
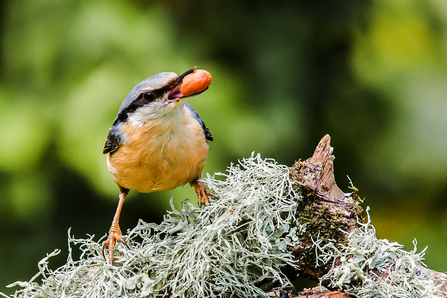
{"x":372,"y":74}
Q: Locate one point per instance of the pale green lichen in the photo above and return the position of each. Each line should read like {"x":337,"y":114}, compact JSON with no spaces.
{"x":370,"y":267}
{"x":237,"y":247}
{"x":234,"y":248}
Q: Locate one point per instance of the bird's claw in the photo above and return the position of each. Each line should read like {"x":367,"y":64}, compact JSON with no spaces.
{"x":114,"y":236}
{"x":203,"y":194}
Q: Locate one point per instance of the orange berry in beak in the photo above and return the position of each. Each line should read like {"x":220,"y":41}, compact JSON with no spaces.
{"x":196,"y":82}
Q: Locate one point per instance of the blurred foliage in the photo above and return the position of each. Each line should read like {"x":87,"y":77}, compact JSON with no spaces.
{"x":372,"y":74}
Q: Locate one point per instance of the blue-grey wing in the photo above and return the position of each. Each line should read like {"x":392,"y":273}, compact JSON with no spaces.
{"x":113,"y":141}
{"x":206,"y":131}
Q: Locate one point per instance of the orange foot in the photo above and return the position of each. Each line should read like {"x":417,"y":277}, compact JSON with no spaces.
{"x":202,"y":192}
{"x":114,"y":235}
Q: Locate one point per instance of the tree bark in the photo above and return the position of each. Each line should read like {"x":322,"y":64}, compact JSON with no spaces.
{"x":330,"y":214}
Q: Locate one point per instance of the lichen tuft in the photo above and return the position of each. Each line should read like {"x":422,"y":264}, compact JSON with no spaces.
{"x":237,"y":247}
{"x":370,"y":267}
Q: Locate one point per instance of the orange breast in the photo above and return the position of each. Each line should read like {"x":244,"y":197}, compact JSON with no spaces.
{"x":159,"y":155}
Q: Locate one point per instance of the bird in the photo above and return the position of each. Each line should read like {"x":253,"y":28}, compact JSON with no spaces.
{"x":158,"y":141}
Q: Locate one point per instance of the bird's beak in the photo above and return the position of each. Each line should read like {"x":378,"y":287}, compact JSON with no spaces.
{"x":193,"y":87}
{"x":176,"y":93}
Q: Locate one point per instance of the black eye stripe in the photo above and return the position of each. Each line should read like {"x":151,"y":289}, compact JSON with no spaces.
{"x":143,"y":99}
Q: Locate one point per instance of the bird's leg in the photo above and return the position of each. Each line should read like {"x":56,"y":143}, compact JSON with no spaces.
{"x":115,"y":231}
{"x":202,"y":192}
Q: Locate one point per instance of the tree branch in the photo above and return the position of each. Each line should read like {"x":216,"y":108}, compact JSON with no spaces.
{"x":270,"y":224}
{"x":327,"y":210}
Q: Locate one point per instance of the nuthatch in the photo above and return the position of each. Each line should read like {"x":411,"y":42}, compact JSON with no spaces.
{"x":157,"y":141}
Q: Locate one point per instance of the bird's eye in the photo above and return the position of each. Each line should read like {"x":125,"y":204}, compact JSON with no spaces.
{"x":149,"y":96}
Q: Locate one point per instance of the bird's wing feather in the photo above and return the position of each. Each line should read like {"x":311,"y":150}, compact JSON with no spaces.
{"x":206,"y":131}
{"x":113,"y":141}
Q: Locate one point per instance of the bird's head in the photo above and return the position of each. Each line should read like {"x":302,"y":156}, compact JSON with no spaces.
{"x":162,"y":94}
